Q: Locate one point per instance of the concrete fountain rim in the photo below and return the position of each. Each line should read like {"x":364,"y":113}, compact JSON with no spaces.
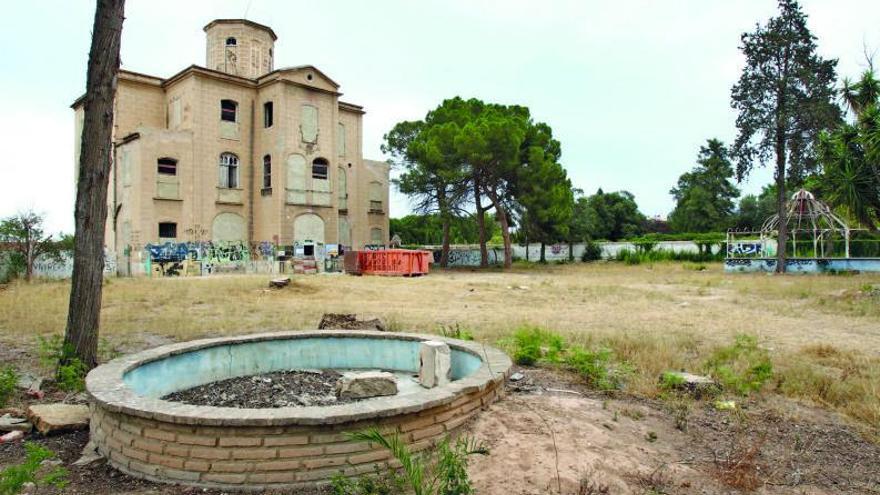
{"x":107,"y":389}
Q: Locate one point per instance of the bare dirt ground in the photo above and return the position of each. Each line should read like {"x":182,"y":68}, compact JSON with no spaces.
{"x":813,"y":430}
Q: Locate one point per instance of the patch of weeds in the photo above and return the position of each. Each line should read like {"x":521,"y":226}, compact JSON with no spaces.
{"x":679,"y":407}
{"x":8,"y":379}
{"x":742,"y":367}
{"x":533,"y":344}
{"x":456,"y":332}
{"x":600,"y":367}
{"x":697,"y":267}
{"x":377,"y":484}
{"x":13,"y":478}
{"x":651,"y":436}
{"x":657,"y":482}
{"x":447,"y":476}
{"x":586,"y":486}
{"x":633,"y":414}
{"x":70,"y":376}
{"x":671,"y":381}
{"x":106,"y":351}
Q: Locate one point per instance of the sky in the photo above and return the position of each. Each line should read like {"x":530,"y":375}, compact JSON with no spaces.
{"x":631,"y":89}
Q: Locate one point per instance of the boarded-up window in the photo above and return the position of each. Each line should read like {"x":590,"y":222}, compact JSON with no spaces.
{"x":267,"y":172}
{"x":174,"y":113}
{"x":340,"y":139}
{"x":296,"y":179}
{"x":376,"y":236}
{"x":228,"y":227}
{"x":309,"y":124}
{"x":376,"y":196}
{"x":342,"y":186}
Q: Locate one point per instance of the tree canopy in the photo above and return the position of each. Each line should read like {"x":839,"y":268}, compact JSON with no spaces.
{"x":704,"y":197}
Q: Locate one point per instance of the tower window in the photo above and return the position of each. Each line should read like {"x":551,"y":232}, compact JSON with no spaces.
{"x":267,"y":114}
{"x":267,"y":172}
{"x":231,"y":42}
{"x":319,"y":169}
{"x":228,"y":110}
{"x":166,"y":166}
{"x":228,"y":171}
{"x":167,"y":230}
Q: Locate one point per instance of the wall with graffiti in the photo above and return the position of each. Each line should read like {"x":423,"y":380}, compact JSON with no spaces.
{"x":470,"y":255}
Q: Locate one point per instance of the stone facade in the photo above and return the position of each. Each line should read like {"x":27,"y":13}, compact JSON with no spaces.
{"x":239,"y":151}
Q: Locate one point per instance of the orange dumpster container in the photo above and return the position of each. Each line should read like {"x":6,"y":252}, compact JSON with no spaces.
{"x":394,"y":262}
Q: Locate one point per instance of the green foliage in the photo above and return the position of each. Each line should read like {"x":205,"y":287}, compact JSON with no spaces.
{"x":592,"y":251}
{"x":70,"y":371}
{"x":612,"y":216}
{"x":8,"y":379}
{"x":671,"y":381}
{"x":13,"y":478}
{"x":704,"y":196}
{"x":785,"y":86}
{"x":742,"y":367}
{"x":378,"y":484}
{"x":631,"y":257}
{"x":427,"y":230}
{"x":456,"y":332}
{"x":754,"y":210}
{"x":600,"y":367}
{"x":448,"y":476}
{"x":849,"y":155}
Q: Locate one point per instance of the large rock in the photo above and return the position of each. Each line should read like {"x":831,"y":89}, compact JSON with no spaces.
{"x":9,"y":422}
{"x":51,"y":418}
{"x":436,"y":364}
{"x":695,"y":384}
{"x":366,"y":384}
{"x":343,"y":321}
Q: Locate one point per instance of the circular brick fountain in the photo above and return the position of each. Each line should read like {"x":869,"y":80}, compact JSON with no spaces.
{"x":257,"y":449}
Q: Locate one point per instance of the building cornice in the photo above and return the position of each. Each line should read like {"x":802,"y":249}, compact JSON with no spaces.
{"x":242,"y":21}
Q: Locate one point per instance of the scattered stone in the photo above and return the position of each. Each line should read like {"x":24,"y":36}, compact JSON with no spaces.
{"x":342,"y":321}
{"x":517,"y":376}
{"x":363,"y":385}
{"x":9,"y":422}
{"x":89,"y":455}
{"x":725,"y":405}
{"x":50,"y":418}
{"x":697,"y":385}
{"x":12,"y":436}
{"x":290,"y":388}
{"x":29,"y":381}
{"x":279,"y":283}
{"x":29,"y":488}
{"x":436,"y":364}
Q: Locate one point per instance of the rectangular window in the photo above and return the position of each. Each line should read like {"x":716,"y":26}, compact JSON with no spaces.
{"x":267,"y":172}
{"x":167,"y":230}
{"x":375,"y":206}
{"x":319,"y":171}
{"x":166,"y":166}
{"x":267,"y":114}
{"x":227,"y":110}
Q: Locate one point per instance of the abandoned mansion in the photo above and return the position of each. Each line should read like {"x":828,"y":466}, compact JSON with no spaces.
{"x":240,"y":152}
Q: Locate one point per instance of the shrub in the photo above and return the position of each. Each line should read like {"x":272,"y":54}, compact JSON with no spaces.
{"x":592,"y":251}
{"x":456,"y":332}
{"x":13,"y":478}
{"x":8,"y":379}
{"x":742,"y":367}
{"x":378,"y":484}
{"x":527,"y":346}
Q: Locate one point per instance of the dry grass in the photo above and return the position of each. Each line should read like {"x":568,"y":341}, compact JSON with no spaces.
{"x":823,"y":332}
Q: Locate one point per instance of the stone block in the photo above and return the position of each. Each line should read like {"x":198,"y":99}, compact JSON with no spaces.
{"x":365,"y":385}
{"x":50,"y":418}
{"x":436,"y":364}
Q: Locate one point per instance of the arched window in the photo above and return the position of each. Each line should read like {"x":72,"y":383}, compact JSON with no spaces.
{"x":228,"y":110}
{"x":320,"y":168}
{"x":267,"y":172}
{"x":228,"y":171}
{"x":231,"y":41}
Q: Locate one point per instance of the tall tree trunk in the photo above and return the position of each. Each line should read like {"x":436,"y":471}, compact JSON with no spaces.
{"x":83,"y":316}
{"x":501,"y":213}
{"x":780,"y":208}
{"x":481,"y":222}
{"x":543,"y":253}
{"x":443,"y":206}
